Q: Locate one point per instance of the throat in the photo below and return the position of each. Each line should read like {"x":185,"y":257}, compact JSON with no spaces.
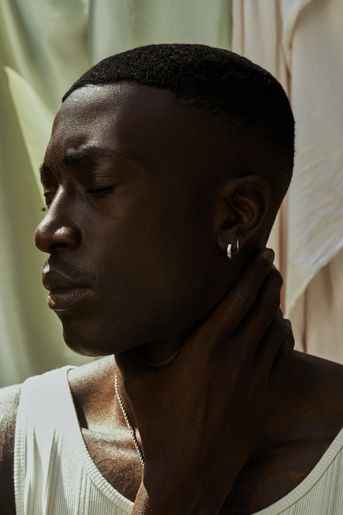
{"x":156,"y":354}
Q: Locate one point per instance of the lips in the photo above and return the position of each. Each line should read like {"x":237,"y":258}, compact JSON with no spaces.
{"x":65,"y":298}
{"x":64,"y":292}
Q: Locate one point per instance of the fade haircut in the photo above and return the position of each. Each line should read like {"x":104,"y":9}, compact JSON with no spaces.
{"x":215,"y":80}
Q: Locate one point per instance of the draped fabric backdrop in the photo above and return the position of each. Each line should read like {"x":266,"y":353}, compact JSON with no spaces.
{"x":44,"y":46}
{"x":301,"y":43}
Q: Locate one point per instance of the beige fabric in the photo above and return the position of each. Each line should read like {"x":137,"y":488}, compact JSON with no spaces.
{"x":301,"y":43}
{"x":317,"y":319}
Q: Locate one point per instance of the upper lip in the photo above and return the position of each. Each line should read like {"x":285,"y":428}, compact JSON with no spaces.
{"x":55,"y":280}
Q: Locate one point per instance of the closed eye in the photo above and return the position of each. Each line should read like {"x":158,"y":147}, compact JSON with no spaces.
{"x":101,"y":191}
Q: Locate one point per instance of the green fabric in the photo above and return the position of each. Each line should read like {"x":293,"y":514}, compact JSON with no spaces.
{"x":44,"y":46}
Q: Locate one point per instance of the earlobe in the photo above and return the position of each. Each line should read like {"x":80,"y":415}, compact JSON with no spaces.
{"x":242,"y":211}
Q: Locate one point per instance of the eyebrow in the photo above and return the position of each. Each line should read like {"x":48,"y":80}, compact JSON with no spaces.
{"x":74,"y":157}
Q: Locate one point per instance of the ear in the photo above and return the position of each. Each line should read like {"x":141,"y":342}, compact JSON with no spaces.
{"x":242,"y":206}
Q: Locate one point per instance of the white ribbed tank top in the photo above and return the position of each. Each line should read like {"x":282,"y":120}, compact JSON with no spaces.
{"x":55,"y":475}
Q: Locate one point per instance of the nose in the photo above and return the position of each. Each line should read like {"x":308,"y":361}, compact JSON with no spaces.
{"x":56,"y":234}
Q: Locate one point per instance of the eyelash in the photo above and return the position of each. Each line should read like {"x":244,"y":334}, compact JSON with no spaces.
{"x":99,"y":192}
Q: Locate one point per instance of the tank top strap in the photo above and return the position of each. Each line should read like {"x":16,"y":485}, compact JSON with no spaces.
{"x":53,"y":471}
{"x":44,"y":409}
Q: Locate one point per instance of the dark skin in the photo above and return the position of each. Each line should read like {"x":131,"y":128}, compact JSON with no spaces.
{"x":158,"y":291}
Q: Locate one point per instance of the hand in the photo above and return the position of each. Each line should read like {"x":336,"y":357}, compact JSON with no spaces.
{"x":200,"y":416}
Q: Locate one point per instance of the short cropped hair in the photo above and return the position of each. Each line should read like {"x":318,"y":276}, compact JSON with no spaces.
{"x":215,"y":80}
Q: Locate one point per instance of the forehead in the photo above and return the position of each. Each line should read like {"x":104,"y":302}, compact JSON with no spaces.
{"x":148,"y":125}
{"x":138,"y":119}
{"x":111,"y":115}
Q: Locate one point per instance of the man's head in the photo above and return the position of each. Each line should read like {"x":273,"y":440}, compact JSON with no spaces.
{"x":158,"y":158}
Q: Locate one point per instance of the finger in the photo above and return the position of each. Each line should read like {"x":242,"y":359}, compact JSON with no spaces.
{"x":274,"y":350}
{"x":281,"y":364}
{"x":270,"y":344}
{"x":255,"y":324}
{"x":226,"y":317}
{"x":289,"y":330}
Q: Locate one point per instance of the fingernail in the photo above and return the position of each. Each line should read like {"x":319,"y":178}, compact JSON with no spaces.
{"x":268,"y":255}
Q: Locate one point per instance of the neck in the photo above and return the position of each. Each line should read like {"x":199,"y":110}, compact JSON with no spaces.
{"x":154,"y":356}
{"x":157,"y":354}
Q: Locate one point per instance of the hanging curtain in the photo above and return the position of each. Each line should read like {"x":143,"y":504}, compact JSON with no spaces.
{"x":301,"y":42}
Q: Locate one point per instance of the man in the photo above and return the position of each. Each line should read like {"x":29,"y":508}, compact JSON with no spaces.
{"x":163,"y":175}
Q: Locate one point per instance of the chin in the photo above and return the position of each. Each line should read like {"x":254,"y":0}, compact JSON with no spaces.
{"x":92,"y":342}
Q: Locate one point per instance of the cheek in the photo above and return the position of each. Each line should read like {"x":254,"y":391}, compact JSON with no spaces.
{"x":151,"y":254}
{"x":165,"y":244}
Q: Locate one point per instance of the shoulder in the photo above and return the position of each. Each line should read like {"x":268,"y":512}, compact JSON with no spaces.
{"x":321,"y":377}
{"x":327,"y":378}
{"x":304,"y":423}
{"x":9,"y":400}
{"x":315,"y":392}
{"x":92,"y":389}
{"x":84,"y":378}
{"x":310,"y":405}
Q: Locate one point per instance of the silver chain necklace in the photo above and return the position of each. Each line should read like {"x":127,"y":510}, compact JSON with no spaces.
{"x":128,"y":423}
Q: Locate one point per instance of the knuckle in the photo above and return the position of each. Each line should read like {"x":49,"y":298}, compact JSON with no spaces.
{"x":288,"y":326}
{"x":273,"y":297}
{"x":259,"y":270}
{"x":289,"y":341}
{"x":263,"y":265}
{"x":287,"y":331}
{"x":244,"y":296}
{"x":276,"y":277}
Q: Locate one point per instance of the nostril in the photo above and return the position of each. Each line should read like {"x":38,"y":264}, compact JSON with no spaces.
{"x":56,"y":246}
{"x":47,"y":237}
{"x":67,"y":237}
